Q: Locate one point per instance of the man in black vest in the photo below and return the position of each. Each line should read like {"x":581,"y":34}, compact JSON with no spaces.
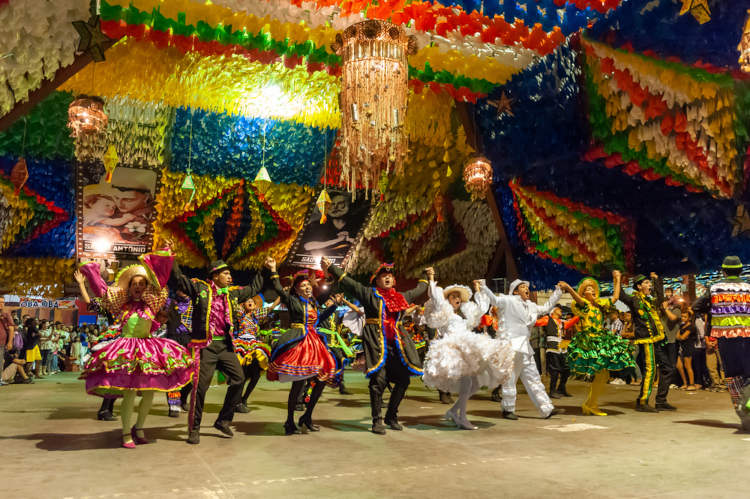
{"x":212,"y":324}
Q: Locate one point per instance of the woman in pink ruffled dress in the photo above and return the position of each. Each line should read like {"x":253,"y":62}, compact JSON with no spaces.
{"x":136,"y":363}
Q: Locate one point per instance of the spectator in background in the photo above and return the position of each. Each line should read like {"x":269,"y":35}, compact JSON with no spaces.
{"x":631,"y":375}
{"x":713,"y":365}
{"x":46,"y":340}
{"x":686,"y":346}
{"x":614,"y":323}
{"x":670,"y":313}
{"x":31,"y":350}
{"x":537,"y":332}
{"x":7,"y":333}
{"x":699,"y":357}
{"x":13,"y":367}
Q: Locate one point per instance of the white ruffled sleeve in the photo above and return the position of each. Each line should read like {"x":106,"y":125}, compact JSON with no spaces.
{"x":473,"y":314}
{"x":437,"y":311}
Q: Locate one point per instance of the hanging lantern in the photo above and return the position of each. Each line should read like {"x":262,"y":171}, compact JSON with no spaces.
{"x":744,"y":46}
{"x":86,"y":115}
{"x":374,"y":87}
{"x":477,"y":176}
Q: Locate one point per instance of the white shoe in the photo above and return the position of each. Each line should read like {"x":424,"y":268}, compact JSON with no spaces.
{"x":465,"y":424}
{"x":451,"y":416}
{"x":618,"y":381}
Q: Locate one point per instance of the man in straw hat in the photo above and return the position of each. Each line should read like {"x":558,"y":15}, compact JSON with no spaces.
{"x":390,"y":354}
{"x":212,"y":325}
{"x":650,"y":338}
{"x":520,"y":314}
{"x":728,"y":304}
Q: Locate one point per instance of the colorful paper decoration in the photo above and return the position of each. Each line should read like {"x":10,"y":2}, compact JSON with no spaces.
{"x":92,"y":40}
{"x":744,"y":46}
{"x":188,"y":185}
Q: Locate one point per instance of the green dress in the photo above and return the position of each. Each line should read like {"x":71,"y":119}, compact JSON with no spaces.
{"x":593,"y":347}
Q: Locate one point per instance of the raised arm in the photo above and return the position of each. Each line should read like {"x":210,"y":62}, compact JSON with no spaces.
{"x":284,"y":295}
{"x":352,"y":306}
{"x":421,"y":286}
{"x":498,"y":301}
{"x":617,"y":284}
{"x":178,"y":281}
{"x":78,"y":276}
{"x":346,"y":283}
{"x":252,"y":289}
{"x":553,"y":299}
{"x":569,"y":289}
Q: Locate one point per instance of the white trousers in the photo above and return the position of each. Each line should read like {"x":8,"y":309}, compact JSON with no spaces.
{"x":525,"y":367}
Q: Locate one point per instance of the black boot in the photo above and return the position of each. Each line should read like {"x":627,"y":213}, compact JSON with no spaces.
{"x":378,"y":427}
{"x":497,"y":395}
{"x":290,"y":428}
{"x":343,"y":390}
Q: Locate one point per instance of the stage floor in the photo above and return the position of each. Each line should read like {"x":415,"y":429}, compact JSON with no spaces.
{"x":53,"y":446}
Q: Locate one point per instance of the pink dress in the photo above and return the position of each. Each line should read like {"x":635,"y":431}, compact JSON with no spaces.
{"x":136,"y":360}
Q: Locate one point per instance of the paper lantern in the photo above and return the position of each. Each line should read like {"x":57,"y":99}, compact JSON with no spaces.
{"x":744,"y":46}
{"x":86,"y":115}
{"x":477,"y":176}
{"x":374,"y":87}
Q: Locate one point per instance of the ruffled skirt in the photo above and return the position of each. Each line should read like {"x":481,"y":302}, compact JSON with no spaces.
{"x":307,"y":359}
{"x":143,"y":364}
{"x":250,"y":350}
{"x":591,"y":351}
{"x":465,"y":353}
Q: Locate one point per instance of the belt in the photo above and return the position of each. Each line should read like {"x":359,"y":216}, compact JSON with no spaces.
{"x":553,"y":339}
{"x":372,"y":321}
{"x":297,"y":325}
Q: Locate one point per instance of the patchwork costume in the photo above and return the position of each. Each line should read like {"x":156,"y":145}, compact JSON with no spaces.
{"x":211,"y":335}
{"x":390,"y":354}
{"x":728,"y":304}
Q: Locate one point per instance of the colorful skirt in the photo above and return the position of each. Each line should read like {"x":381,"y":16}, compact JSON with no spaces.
{"x":142,"y":364}
{"x":249,"y":350}
{"x":463,"y":353}
{"x":591,"y":351}
{"x":307,"y":358}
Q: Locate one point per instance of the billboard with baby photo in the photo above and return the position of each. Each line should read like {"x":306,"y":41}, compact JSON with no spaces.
{"x":114,"y":218}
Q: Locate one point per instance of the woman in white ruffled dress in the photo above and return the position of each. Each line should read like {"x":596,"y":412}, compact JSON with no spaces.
{"x":460,"y":360}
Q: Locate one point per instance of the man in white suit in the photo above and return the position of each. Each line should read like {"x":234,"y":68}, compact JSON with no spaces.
{"x":520,"y":314}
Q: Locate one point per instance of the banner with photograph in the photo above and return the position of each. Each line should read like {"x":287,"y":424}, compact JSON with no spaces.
{"x":335,"y":238}
{"x":115,"y":218}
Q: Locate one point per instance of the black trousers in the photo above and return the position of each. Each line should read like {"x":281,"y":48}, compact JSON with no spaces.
{"x":392,"y":372}
{"x":219,"y":355}
{"x":557,"y":366}
{"x":653,"y":356}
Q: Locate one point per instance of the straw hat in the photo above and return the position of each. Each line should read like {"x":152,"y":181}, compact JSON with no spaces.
{"x":125,"y":275}
{"x":589,"y":281}
{"x":463,"y":291}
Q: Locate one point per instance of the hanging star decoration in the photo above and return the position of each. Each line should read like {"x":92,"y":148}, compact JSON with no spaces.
{"x":93,"y":42}
{"x":323,"y":202}
{"x":698,"y":8}
{"x":19,"y":175}
{"x":188,"y":185}
{"x":110,"y":161}
{"x":503,"y":105}
{"x":741,"y":222}
{"x":262,"y":180}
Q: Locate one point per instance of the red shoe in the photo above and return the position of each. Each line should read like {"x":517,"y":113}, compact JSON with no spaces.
{"x":127,"y":445}
{"x":138,"y":440}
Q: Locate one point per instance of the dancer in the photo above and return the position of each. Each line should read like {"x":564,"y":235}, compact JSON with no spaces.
{"x":252,"y":353}
{"x":728,"y":304}
{"x":460,"y":360}
{"x":390,"y":355}
{"x":301,"y":352}
{"x":520,"y":314}
{"x":556,"y":351}
{"x":595,"y":350}
{"x":179,"y":313}
{"x":212,"y":324}
{"x":136,"y":362}
{"x":649,"y":336}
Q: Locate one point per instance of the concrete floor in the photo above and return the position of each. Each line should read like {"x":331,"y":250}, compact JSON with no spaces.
{"x":52,"y":446}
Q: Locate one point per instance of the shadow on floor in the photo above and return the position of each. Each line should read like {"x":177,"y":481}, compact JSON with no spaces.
{"x":102,"y":440}
{"x":713,"y":423}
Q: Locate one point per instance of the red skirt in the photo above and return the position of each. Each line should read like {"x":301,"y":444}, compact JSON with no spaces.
{"x":308,"y":358}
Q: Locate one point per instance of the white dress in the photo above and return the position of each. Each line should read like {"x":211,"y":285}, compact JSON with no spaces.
{"x":460,"y":352}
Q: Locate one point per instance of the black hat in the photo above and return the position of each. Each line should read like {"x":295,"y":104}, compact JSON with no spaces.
{"x":731,"y":262}
{"x":217,"y":266}
{"x":639,"y":279}
{"x":385,"y":268}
